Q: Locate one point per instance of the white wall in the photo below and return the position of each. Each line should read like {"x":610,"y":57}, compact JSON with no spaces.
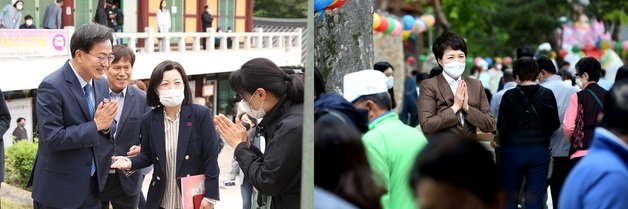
{"x":129,"y":8}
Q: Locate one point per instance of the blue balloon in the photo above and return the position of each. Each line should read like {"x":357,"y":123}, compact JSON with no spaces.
{"x":321,"y":4}
{"x":408,"y":22}
{"x":489,"y":61}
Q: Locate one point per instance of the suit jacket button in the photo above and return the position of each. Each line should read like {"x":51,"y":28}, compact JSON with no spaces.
{"x":153,"y":184}
{"x":158,"y":178}
{"x":157,"y":158}
{"x":188,"y":175}
{"x":187,"y":157}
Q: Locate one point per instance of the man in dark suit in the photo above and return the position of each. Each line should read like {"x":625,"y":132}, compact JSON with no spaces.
{"x":450,"y":103}
{"x":74,"y":118}
{"x":5,"y":120}
{"x":121,"y":189}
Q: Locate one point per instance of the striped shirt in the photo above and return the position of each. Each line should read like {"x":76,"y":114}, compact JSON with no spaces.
{"x":172,"y":196}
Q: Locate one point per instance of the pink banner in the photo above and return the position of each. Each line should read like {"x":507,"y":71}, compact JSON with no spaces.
{"x":25,"y":43}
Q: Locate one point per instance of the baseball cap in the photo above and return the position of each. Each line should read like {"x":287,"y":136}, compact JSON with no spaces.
{"x":361,"y":83}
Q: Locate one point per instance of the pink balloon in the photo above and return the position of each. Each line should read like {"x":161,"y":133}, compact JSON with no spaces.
{"x":624,"y":45}
{"x":397,"y":30}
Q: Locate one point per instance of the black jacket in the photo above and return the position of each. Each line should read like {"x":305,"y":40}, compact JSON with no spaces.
{"x":277,"y":172}
{"x":206,"y":20}
{"x":518,"y":125}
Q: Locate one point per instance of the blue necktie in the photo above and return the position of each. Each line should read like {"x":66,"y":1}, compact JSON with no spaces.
{"x":90,"y":105}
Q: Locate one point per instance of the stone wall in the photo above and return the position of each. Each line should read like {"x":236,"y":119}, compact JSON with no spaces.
{"x":389,"y":48}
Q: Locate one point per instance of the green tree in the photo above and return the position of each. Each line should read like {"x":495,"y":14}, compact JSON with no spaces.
{"x":280,"y":8}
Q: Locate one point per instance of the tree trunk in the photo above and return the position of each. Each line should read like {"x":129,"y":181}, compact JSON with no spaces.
{"x":343,"y":42}
{"x":441,"y":20}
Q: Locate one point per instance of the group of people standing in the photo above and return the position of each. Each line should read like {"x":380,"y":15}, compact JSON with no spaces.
{"x":11,"y":16}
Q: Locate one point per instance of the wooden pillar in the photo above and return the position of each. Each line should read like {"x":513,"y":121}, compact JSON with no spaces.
{"x":142,"y":19}
{"x":249,"y":16}
{"x":198,"y":82}
{"x":67,"y":19}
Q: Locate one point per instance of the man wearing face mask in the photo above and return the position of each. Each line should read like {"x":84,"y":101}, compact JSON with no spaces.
{"x":450,"y":103}
{"x":391,"y":146}
{"x":11,"y":15}
{"x":28,"y":23}
{"x":584,"y":107}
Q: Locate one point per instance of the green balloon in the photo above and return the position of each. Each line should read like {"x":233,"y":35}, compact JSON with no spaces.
{"x":618,"y":46}
{"x":391,"y":25}
{"x":575,"y":49}
{"x":469,"y":60}
{"x":422,"y":58}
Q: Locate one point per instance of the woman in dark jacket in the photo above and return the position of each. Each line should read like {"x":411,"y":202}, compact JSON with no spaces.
{"x":276,"y":97}
{"x":528,"y":115}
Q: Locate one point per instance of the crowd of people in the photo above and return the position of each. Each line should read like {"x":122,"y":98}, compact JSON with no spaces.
{"x":543,"y":125}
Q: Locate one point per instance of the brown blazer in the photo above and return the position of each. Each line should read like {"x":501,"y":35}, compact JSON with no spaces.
{"x":437,"y":117}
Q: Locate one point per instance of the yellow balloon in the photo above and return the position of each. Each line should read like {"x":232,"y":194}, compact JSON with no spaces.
{"x":376,"y":20}
{"x":552,"y":55}
{"x":429,"y":19}
{"x":406,"y":34}
{"x":604,"y":45}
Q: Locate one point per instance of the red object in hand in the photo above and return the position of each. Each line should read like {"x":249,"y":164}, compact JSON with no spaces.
{"x":197,"y":200}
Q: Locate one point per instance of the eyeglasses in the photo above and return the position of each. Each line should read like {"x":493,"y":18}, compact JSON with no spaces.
{"x":102,"y":58}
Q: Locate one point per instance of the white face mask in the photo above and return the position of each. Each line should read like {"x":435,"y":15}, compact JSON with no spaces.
{"x":390,"y":81}
{"x":454,"y":69}
{"x":257,"y":114}
{"x":19,"y":6}
{"x":579,"y":83}
{"x":29,"y":22}
{"x":171,"y":97}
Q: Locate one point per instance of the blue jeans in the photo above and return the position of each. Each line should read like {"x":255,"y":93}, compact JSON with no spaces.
{"x":246,"y":189}
{"x":531,"y":163}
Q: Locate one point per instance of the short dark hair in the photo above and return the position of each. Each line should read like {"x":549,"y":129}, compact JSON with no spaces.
{"x":436,"y":70}
{"x":59,"y":1}
{"x":122,"y":51}
{"x":565,"y":63}
{"x":615,"y":108}
{"x":545,"y":63}
{"x":263,"y":73}
{"x":525,"y":52}
{"x":28,"y":17}
{"x":383,"y":66}
{"x":382,"y":100}
{"x":508,"y":76}
{"x":206,"y":6}
{"x":622,"y":73}
{"x":448,"y":40}
{"x":152,"y":99}
{"x":590,"y":66}
{"x":421,"y":76}
{"x":339,"y":148}
{"x":461,"y":162}
{"x":526,"y":69}
{"x":87,"y":35}
{"x":20,"y":119}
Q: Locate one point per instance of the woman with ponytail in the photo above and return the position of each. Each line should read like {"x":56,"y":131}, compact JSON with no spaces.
{"x":277,"y":97}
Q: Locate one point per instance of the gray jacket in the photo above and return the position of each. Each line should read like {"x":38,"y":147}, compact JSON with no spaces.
{"x":10,"y":18}
{"x":52,"y":17}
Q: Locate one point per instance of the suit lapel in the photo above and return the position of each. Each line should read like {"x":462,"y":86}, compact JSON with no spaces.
{"x":185,"y":129}
{"x":159,"y":137}
{"x":445,"y":90}
{"x":77,"y":90}
{"x":127,"y":108}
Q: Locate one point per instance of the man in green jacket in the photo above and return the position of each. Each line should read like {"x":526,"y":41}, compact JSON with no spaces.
{"x":390,"y":144}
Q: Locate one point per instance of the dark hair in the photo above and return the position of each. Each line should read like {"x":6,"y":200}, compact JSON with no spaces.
{"x":382,"y":100}
{"x":338,"y":148}
{"x":545,"y":63}
{"x":525,"y":52}
{"x":461,"y":162}
{"x":20,"y":119}
{"x":152,"y":99}
{"x":421,"y":76}
{"x":319,"y":82}
{"x":565,"y":63}
{"x":526,"y":69}
{"x":254,"y":120}
{"x":508,"y":76}
{"x":263,"y":73}
{"x":122,"y":51}
{"x":436,"y":70}
{"x":87,"y":35}
{"x":383,"y":66}
{"x":205,"y":7}
{"x":28,"y":17}
{"x":14,"y":5}
{"x":140,"y":85}
{"x":59,"y":1}
{"x":622,"y":73}
{"x":566,"y":75}
{"x":448,"y":40}
{"x":161,"y":3}
{"x":590,"y":66}
{"x":615,"y":108}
